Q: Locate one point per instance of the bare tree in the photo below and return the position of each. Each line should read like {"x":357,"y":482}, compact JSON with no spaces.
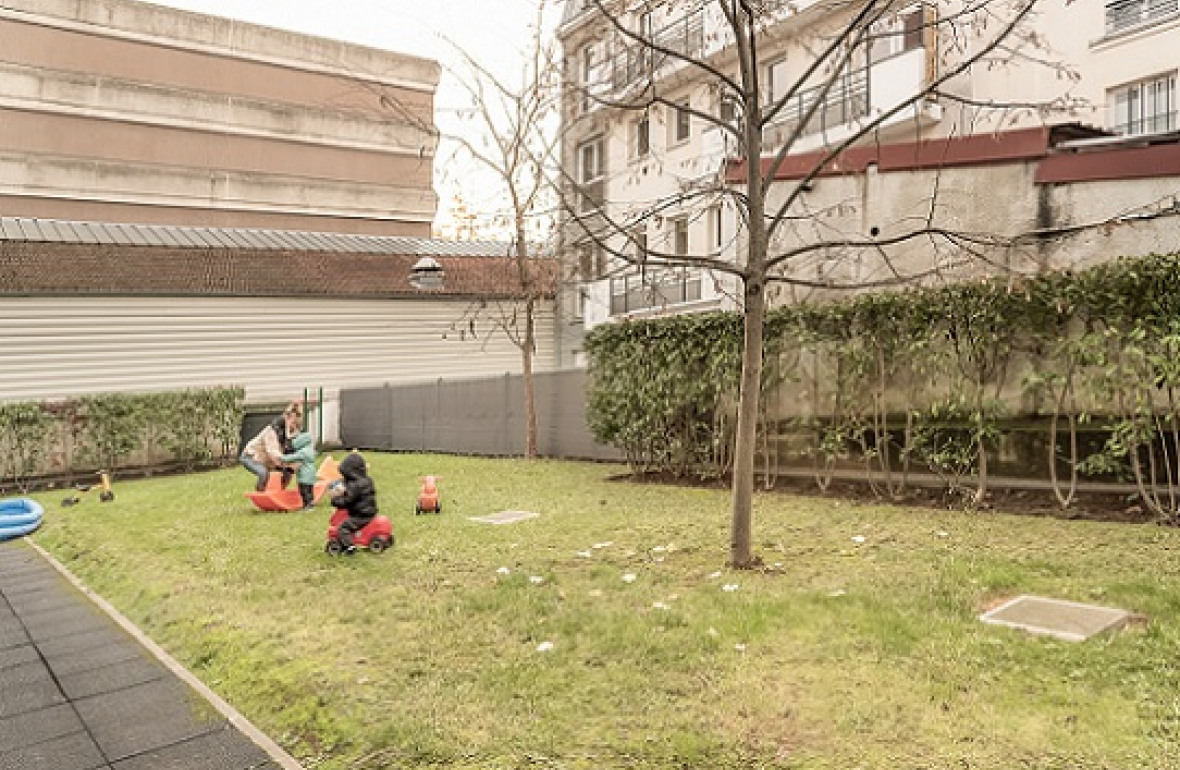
{"x":782,"y":233}
{"x":514,"y":139}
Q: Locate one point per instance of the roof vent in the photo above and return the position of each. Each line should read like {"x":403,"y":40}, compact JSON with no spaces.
{"x":426,"y":273}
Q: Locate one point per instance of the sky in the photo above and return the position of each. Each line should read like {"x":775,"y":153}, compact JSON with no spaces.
{"x":493,"y":32}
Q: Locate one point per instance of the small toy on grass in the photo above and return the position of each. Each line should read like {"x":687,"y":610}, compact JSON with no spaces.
{"x":429,"y":500}
{"x":104,"y":484}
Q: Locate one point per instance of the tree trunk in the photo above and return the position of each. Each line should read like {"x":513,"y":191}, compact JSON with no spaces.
{"x":741,"y":547}
{"x":526,"y":361}
{"x":741,"y":551}
{"x":527,"y":340}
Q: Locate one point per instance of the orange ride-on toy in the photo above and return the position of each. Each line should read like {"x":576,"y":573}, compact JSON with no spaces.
{"x":377,"y":535}
{"x":275,"y":498}
{"x":429,"y":499}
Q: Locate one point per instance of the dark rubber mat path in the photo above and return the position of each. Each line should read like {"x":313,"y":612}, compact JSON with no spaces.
{"x":79,"y":692}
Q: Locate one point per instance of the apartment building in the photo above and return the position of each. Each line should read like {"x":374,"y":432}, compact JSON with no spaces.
{"x":1067,"y":122}
{"x":127,"y":112}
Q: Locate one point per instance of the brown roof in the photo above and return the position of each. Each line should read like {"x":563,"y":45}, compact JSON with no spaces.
{"x":1024,"y":144}
{"x":69,"y":268}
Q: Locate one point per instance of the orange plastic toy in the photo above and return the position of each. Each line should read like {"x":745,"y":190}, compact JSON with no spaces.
{"x":275,"y":498}
{"x":429,"y":500}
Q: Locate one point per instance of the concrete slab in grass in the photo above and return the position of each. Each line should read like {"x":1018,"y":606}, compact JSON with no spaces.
{"x":1070,"y":621}
{"x":506,"y":517}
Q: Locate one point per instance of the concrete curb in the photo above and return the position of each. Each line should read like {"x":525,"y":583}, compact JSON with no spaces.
{"x":276,"y":752}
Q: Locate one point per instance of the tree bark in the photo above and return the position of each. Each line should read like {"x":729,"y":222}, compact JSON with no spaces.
{"x":741,"y":546}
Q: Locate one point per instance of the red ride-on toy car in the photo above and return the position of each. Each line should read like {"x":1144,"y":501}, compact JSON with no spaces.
{"x":377,"y":535}
{"x":429,"y":499}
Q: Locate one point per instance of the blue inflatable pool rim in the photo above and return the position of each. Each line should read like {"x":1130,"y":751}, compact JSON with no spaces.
{"x":19,"y":516}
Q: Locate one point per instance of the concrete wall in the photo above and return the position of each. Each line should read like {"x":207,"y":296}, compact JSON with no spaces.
{"x":978,"y":202}
{"x":124,"y":111}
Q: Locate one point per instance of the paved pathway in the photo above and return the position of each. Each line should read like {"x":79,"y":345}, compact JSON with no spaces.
{"x":79,"y":691}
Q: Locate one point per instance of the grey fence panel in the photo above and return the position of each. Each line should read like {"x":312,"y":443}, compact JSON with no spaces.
{"x":480,"y":416}
{"x":412,"y":415}
{"x":365,"y":423}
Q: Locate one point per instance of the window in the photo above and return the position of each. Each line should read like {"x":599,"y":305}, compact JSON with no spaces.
{"x":681,"y":124}
{"x":1127,"y":14}
{"x":680,"y":236}
{"x":911,"y":29}
{"x":777,"y":81}
{"x":590,"y":161}
{"x":715,"y":234}
{"x":1146,"y":107}
{"x":728,"y":110}
{"x":591,"y":188}
{"x":641,"y":144}
{"x":587,"y":67}
{"x":591,"y":261}
{"x":645,"y":26}
{"x":639,"y":244}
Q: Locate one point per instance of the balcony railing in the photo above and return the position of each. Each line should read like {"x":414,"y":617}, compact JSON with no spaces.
{"x":1122,"y":15}
{"x":846,"y":101}
{"x":633,"y":60}
{"x":1148,"y":124}
{"x":655,"y":289}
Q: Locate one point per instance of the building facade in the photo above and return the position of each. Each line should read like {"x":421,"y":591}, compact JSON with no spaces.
{"x":649,"y":164}
{"x":123,"y":111}
{"x":99,"y":308}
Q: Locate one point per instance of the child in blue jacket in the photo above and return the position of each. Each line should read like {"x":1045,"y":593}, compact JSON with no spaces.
{"x":304,"y":457}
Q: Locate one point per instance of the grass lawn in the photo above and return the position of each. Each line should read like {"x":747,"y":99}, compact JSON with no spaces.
{"x":841,"y":655}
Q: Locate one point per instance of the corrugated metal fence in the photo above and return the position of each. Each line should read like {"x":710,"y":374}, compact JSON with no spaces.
{"x":479,"y":416}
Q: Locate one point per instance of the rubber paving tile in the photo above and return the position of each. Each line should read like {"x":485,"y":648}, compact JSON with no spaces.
{"x":79,"y":692}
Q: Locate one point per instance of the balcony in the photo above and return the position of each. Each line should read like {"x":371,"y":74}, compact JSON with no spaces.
{"x":846,"y":101}
{"x":633,"y":61}
{"x":1124,"y":15}
{"x":657,"y":288}
{"x":861,"y":95}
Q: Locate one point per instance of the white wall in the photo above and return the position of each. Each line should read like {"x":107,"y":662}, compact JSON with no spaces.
{"x":994,"y":200}
{"x":53,"y":347}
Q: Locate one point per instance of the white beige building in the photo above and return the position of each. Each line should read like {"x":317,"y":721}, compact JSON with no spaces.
{"x":124,"y":111}
{"x":1087,"y":135}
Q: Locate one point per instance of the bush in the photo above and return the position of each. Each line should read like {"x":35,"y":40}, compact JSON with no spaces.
{"x":104,"y":431}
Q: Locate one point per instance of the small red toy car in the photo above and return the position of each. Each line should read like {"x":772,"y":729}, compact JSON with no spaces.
{"x":429,"y":500}
{"x":377,"y":535}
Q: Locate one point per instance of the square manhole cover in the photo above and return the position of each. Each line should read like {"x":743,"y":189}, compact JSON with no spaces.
{"x":1071,"y":621}
{"x":506,"y":517}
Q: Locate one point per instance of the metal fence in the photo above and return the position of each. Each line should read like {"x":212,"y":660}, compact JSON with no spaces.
{"x":478,"y":416}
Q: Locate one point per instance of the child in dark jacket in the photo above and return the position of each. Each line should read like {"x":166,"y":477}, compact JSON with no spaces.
{"x":358,"y":497}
